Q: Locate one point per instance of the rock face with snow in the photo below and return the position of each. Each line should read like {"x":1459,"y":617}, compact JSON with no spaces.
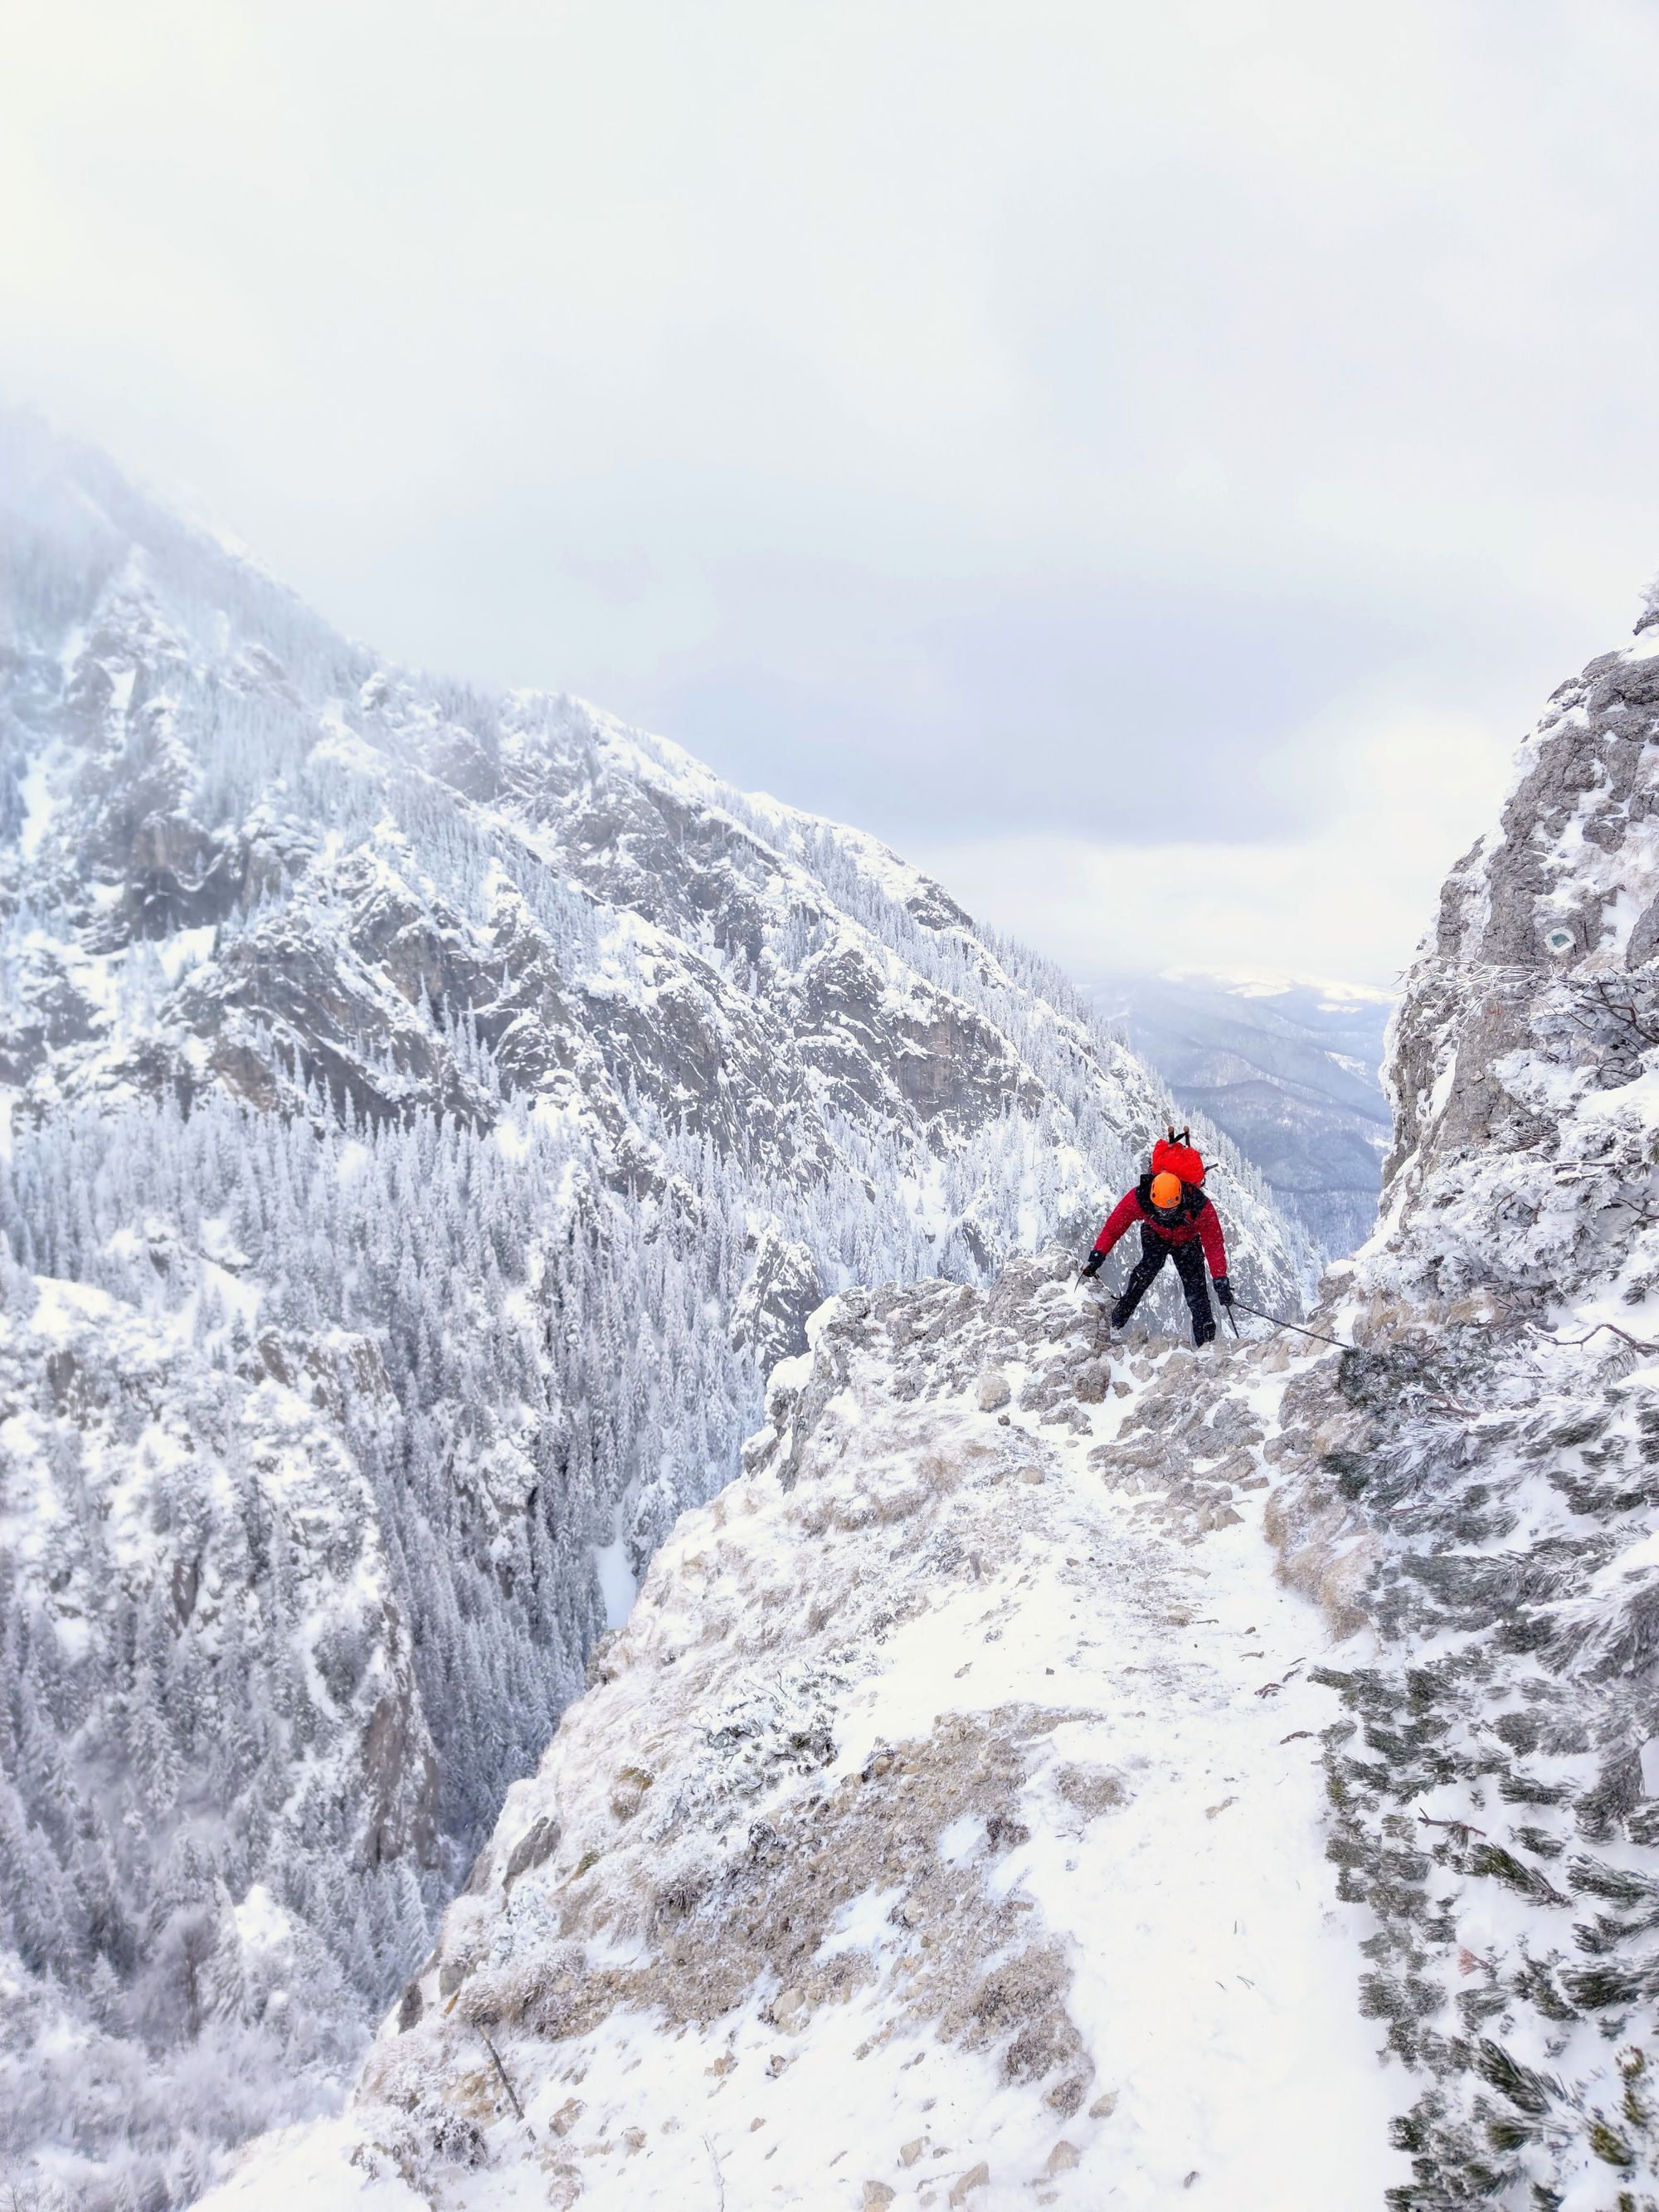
{"x":1291,"y":1071}
{"x":430,"y":1113}
{"x":1480,"y":1482}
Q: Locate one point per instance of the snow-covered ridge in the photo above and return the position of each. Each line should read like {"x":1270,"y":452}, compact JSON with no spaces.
{"x":1332,"y":991}
{"x":941,"y":1829}
{"x":498,"y":1084}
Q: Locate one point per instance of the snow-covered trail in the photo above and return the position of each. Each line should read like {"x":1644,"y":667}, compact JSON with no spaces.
{"x":1215,"y":1974}
{"x":1162,"y":1861}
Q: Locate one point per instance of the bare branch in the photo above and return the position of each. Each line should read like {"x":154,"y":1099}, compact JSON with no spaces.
{"x":1571,"y":1343}
{"x":512,"y":2096}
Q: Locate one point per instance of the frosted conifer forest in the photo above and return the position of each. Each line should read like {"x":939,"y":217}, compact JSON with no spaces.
{"x":590,"y":1612}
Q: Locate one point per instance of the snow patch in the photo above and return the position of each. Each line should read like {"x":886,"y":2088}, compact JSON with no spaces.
{"x":39,"y":805}
{"x":261,"y":1923}
{"x":618,"y":1587}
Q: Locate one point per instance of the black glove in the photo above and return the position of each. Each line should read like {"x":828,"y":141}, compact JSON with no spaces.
{"x":1224,"y":1290}
{"x":1092,"y":1265}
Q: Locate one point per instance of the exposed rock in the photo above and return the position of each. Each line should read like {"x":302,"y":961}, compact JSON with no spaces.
{"x":993,"y":1391}
{"x":1091,"y":1790}
{"x":1475,"y":1482}
{"x":539,"y":1841}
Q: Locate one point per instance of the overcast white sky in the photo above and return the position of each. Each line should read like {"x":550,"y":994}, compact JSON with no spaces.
{"x":1149,"y":463}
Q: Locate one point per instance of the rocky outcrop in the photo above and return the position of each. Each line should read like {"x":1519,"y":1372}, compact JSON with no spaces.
{"x":1477,"y":1481}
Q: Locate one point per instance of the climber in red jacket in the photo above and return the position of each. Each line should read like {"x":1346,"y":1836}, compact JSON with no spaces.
{"x":1176,"y":1220}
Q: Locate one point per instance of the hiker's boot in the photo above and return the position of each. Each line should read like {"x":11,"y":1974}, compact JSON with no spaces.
{"x":1203,"y":1333}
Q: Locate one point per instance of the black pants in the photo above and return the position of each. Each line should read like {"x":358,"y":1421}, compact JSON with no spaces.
{"x":1189,"y":1266}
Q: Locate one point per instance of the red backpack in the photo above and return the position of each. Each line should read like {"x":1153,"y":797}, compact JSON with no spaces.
{"x":1176,"y":1156}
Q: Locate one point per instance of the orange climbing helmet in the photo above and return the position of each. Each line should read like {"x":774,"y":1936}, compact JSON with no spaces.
{"x":1166,"y":1191}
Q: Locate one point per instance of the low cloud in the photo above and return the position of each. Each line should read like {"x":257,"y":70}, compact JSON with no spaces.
{"x":1014,"y":429}
{"x":1352,"y":901}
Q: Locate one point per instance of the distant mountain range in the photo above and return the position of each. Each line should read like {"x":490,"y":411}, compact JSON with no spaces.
{"x":1289,"y":1067}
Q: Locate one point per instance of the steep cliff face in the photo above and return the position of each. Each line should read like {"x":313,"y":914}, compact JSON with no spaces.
{"x":1480,"y":1479}
{"x":430,"y":1113}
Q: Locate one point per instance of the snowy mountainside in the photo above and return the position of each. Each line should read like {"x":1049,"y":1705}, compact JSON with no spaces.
{"x":1211,"y":1907}
{"x":1291,"y":1069}
{"x":456,"y":1104}
{"x":191,"y":1532}
{"x":941,"y":1829}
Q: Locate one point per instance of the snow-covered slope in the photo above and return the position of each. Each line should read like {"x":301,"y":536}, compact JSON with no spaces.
{"x":943,"y":1828}
{"x":830,"y":1891}
{"x":1290,"y":1068}
{"x":429,"y":1114}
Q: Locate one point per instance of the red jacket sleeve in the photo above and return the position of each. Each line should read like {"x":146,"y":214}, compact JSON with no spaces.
{"x":1209,"y":1231}
{"x":1122,"y":1216}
